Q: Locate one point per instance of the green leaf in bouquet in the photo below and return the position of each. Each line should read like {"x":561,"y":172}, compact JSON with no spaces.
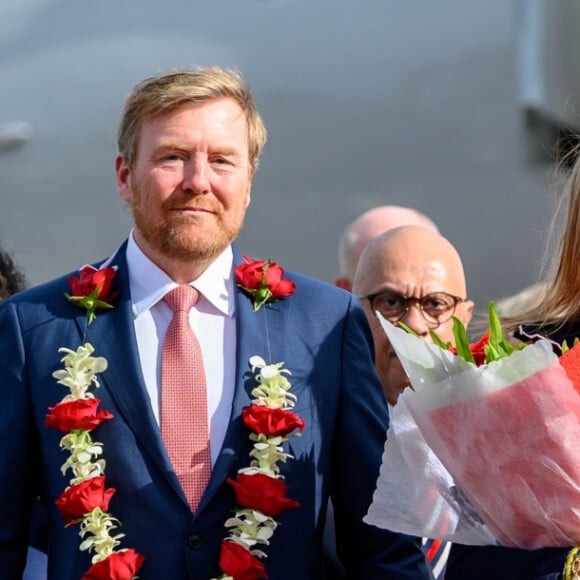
{"x":437,"y":340}
{"x":406,"y":328}
{"x":462,"y":341}
{"x":498,"y":346}
{"x":493,"y":344}
{"x":434,"y":336}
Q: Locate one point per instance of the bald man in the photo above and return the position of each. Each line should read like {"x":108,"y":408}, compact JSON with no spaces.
{"x":367,"y":227}
{"x":413,"y":275}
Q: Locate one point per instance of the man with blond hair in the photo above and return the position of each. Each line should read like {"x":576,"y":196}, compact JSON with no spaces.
{"x":203,"y":475}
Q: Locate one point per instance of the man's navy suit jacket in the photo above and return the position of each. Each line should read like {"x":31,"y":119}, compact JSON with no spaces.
{"x":500,"y":563}
{"x":321,"y":335}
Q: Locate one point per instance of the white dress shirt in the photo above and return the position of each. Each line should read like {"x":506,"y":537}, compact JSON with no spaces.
{"x":212,"y":320}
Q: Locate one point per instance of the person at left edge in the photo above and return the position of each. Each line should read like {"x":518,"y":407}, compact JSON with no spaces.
{"x":189,"y":143}
{"x":12,"y":280}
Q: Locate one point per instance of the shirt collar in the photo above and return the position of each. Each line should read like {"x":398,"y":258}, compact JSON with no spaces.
{"x":148,"y":283}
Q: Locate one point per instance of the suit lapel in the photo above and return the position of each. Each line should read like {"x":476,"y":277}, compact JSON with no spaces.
{"x":257,"y":333}
{"x":113,"y":335}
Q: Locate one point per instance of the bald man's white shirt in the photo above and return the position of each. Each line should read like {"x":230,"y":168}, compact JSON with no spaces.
{"x":212,"y":320}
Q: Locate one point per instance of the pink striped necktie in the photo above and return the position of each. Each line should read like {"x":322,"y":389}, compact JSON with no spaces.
{"x":184,"y":420}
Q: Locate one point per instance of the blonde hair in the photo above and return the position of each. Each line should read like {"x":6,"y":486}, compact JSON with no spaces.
{"x":561,"y":301}
{"x":157,"y":95}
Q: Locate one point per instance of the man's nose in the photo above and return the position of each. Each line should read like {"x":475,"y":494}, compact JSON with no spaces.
{"x":196,"y":176}
{"x":415,"y":320}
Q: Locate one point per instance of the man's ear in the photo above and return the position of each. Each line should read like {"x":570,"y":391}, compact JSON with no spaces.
{"x":343,"y":283}
{"x":123,"y":178}
{"x":467,"y":311}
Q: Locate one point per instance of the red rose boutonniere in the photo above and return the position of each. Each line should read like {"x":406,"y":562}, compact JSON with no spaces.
{"x":92,"y":289}
{"x":262,"y":281}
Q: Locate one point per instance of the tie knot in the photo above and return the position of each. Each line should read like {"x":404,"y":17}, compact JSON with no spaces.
{"x":182,"y":298}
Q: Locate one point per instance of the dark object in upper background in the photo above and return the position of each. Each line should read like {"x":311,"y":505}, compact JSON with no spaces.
{"x":12,"y":280}
{"x":548,"y":75}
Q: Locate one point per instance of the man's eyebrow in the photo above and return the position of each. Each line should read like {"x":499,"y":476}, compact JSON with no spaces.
{"x":228,"y":150}
{"x":168,"y":146}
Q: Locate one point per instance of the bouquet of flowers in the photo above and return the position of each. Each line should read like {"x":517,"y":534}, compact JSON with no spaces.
{"x":483,"y":454}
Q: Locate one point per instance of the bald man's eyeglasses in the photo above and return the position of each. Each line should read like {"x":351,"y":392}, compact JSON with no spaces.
{"x":436,"y":308}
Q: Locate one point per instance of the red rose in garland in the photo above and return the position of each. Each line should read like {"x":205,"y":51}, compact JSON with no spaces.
{"x":263,"y":281}
{"x":80,"y":499}
{"x":238,"y":562}
{"x":122,"y":565}
{"x":272,"y":422}
{"x":92,"y":289}
{"x":77,"y":414}
{"x":262,"y":492}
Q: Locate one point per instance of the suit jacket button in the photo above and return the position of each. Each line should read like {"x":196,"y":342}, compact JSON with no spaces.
{"x":194,"y":541}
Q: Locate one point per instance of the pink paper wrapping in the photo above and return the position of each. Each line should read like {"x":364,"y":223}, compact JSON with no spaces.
{"x":507,"y":433}
{"x":515,"y":454}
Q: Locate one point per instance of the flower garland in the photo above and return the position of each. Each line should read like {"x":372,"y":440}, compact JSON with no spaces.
{"x":262,"y":281}
{"x":86,"y":500}
{"x":260,"y":489}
